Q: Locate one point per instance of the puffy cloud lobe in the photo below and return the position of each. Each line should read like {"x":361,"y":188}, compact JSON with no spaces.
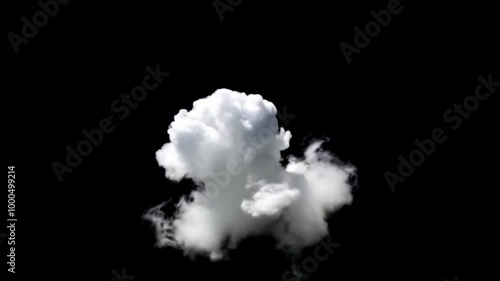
{"x":230,"y":145}
{"x":270,"y":200}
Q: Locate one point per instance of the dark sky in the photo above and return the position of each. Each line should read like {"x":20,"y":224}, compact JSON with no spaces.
{"x":436,"y":225}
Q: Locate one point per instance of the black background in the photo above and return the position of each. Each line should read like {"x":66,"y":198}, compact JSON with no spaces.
{"x":436,"y":225}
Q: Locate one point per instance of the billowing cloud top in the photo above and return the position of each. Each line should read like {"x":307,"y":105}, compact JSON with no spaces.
{"x":230,"y":145}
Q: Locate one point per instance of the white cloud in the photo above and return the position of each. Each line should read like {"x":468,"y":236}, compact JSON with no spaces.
{"x":230,"y":145}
